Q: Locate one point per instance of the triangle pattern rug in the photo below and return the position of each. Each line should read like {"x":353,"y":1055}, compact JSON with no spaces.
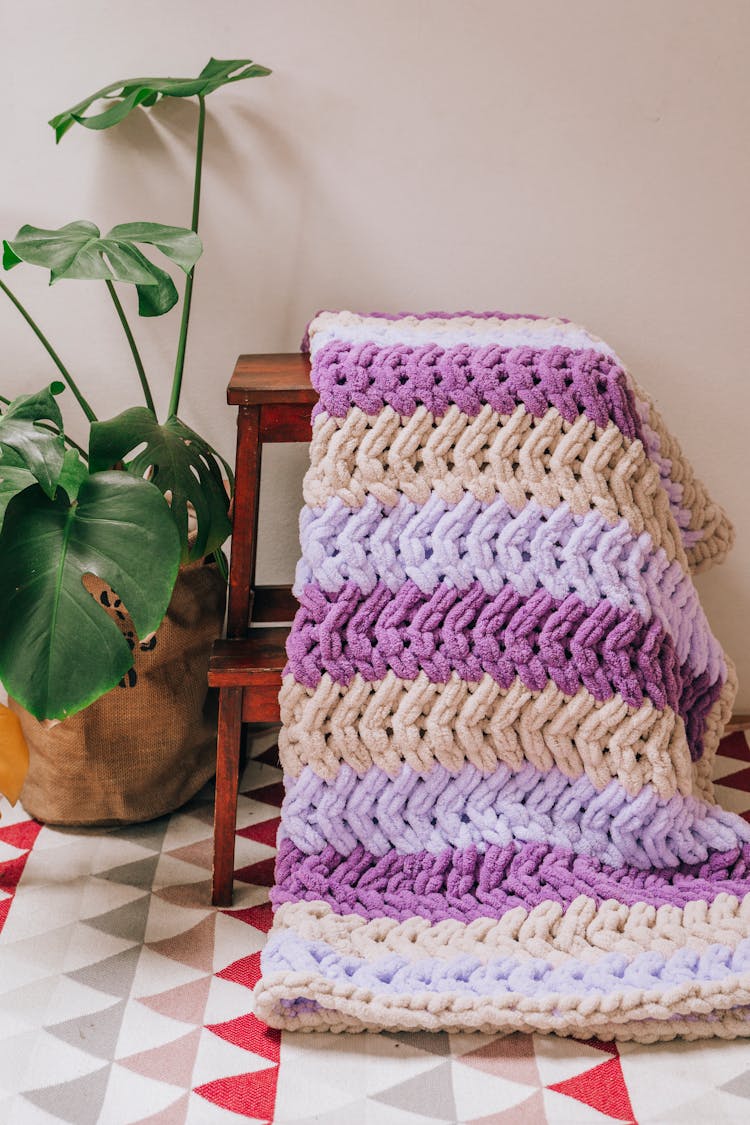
{"x":126,"y":997}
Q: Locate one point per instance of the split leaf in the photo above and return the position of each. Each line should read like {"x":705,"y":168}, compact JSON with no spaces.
{"x":179,"y":462}
{"x":59,"y":649}
{"x":129,"y":93}
{"x":78,"y":251}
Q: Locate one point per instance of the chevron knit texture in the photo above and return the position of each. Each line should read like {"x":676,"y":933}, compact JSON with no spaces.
{"x":502,"y":700}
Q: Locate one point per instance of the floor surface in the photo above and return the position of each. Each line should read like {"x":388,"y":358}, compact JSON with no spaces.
{"x":125,"y":997}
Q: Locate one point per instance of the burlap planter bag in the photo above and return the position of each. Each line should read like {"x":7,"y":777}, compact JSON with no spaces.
{"x":148,"y":745}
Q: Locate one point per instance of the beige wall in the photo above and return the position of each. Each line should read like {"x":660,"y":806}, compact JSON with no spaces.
{"x":587,"y":159}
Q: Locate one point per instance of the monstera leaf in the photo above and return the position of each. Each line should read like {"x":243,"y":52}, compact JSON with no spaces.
{"x":179,"y":462}
{"x":133,"y":92}
{"x":73,"y":474}
{"x":78,"y":251}
{"x":29,"y":451}
{"x":14,"y":478}
{"x":59,"y":650}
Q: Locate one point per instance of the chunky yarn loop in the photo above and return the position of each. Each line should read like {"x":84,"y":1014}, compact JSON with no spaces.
{"x":502,"y":700}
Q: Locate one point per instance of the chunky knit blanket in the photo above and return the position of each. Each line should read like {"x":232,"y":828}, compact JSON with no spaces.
{"x":502,"y":700}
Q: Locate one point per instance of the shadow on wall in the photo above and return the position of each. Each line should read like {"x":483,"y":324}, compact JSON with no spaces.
{"x":725,"y":596}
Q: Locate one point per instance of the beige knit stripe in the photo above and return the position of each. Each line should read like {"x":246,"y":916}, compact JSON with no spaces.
{"x":636,"y":1015}
{"x":706,"y":514}
{"x":716,"y":723}
{"x":392,"y":721}
{"x":584,"y":931}
{"x":517,"y":456}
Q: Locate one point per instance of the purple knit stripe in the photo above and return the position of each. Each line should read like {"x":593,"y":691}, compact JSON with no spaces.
{"x":574,"y":381}
{"x":472,"y":633}
{"x":468,"y":884}
{"x":305,"y":344}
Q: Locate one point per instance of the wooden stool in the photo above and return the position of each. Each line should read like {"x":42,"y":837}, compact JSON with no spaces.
{"x":275,"y":397}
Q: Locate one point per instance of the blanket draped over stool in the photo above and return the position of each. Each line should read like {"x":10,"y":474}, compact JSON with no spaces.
{"x":502,"y":700}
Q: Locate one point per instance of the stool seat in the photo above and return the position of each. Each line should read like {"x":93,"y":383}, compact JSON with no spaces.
{"x":251,"y":661}
{"x":253,"y":664}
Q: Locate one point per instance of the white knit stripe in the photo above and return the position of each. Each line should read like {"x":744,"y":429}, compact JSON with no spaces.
{"x":352,"y":328}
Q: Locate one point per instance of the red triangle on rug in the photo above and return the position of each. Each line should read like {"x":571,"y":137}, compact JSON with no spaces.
{"x":251,"y":1094}
{"x":739,"y":780}
{"x":599,"y":1045}
{"x":22,"y":835}
{"x":269,"y":757}
{"x":602,"y":1088}
{"x":260,"y":874}
{"x":259,"y":916}
{"x":268,"y":794}
{"x":4,"y":908}
{"x":735,"y":745}
{"x":248,"y":1032}
{"x":11,"y":871}
{"x":245,"y":971}
{"x":263,"y":833}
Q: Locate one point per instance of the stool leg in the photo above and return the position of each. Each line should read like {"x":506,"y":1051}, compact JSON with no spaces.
{"x":227,"y":785}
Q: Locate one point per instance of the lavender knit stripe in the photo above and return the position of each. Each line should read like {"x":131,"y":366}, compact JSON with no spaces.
{"x":472,"y":634}
{"x":430,"y":812}
{"x":472,"y":542}
{"x":393,"y":975}
{"x":470,"y":884}
{"x":575,"y":381}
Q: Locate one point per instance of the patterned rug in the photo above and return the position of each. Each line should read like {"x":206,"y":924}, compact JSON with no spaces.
{"x":125,"y":997}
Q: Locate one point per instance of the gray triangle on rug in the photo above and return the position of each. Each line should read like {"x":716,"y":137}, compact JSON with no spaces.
{"x":77,"y":1102}
{"x":429,"y":1094}
{"x":127,"y":922}
{"x":96,"y":1033}
{"x":114,"y":975}
{"x":138,"y":873}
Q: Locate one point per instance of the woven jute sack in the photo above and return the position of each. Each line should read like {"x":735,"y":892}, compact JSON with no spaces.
{"x":148,"y":745}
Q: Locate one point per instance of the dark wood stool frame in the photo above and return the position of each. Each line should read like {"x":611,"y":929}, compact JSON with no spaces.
{"x":274,"y":397}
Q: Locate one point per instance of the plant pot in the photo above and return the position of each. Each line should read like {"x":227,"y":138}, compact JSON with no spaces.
{"x":148,"y":745}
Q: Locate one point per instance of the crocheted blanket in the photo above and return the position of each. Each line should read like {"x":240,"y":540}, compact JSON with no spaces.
{"x":502,"y":700}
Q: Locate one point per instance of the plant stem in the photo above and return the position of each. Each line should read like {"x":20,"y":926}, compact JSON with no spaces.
{"x":51,"y":352}
{"x":68,"y":440}
{"x":133,"y":347}
{"x":174,"y":400}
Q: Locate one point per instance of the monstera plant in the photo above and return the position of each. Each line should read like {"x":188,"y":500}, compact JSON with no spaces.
{"x":145,"y":494}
